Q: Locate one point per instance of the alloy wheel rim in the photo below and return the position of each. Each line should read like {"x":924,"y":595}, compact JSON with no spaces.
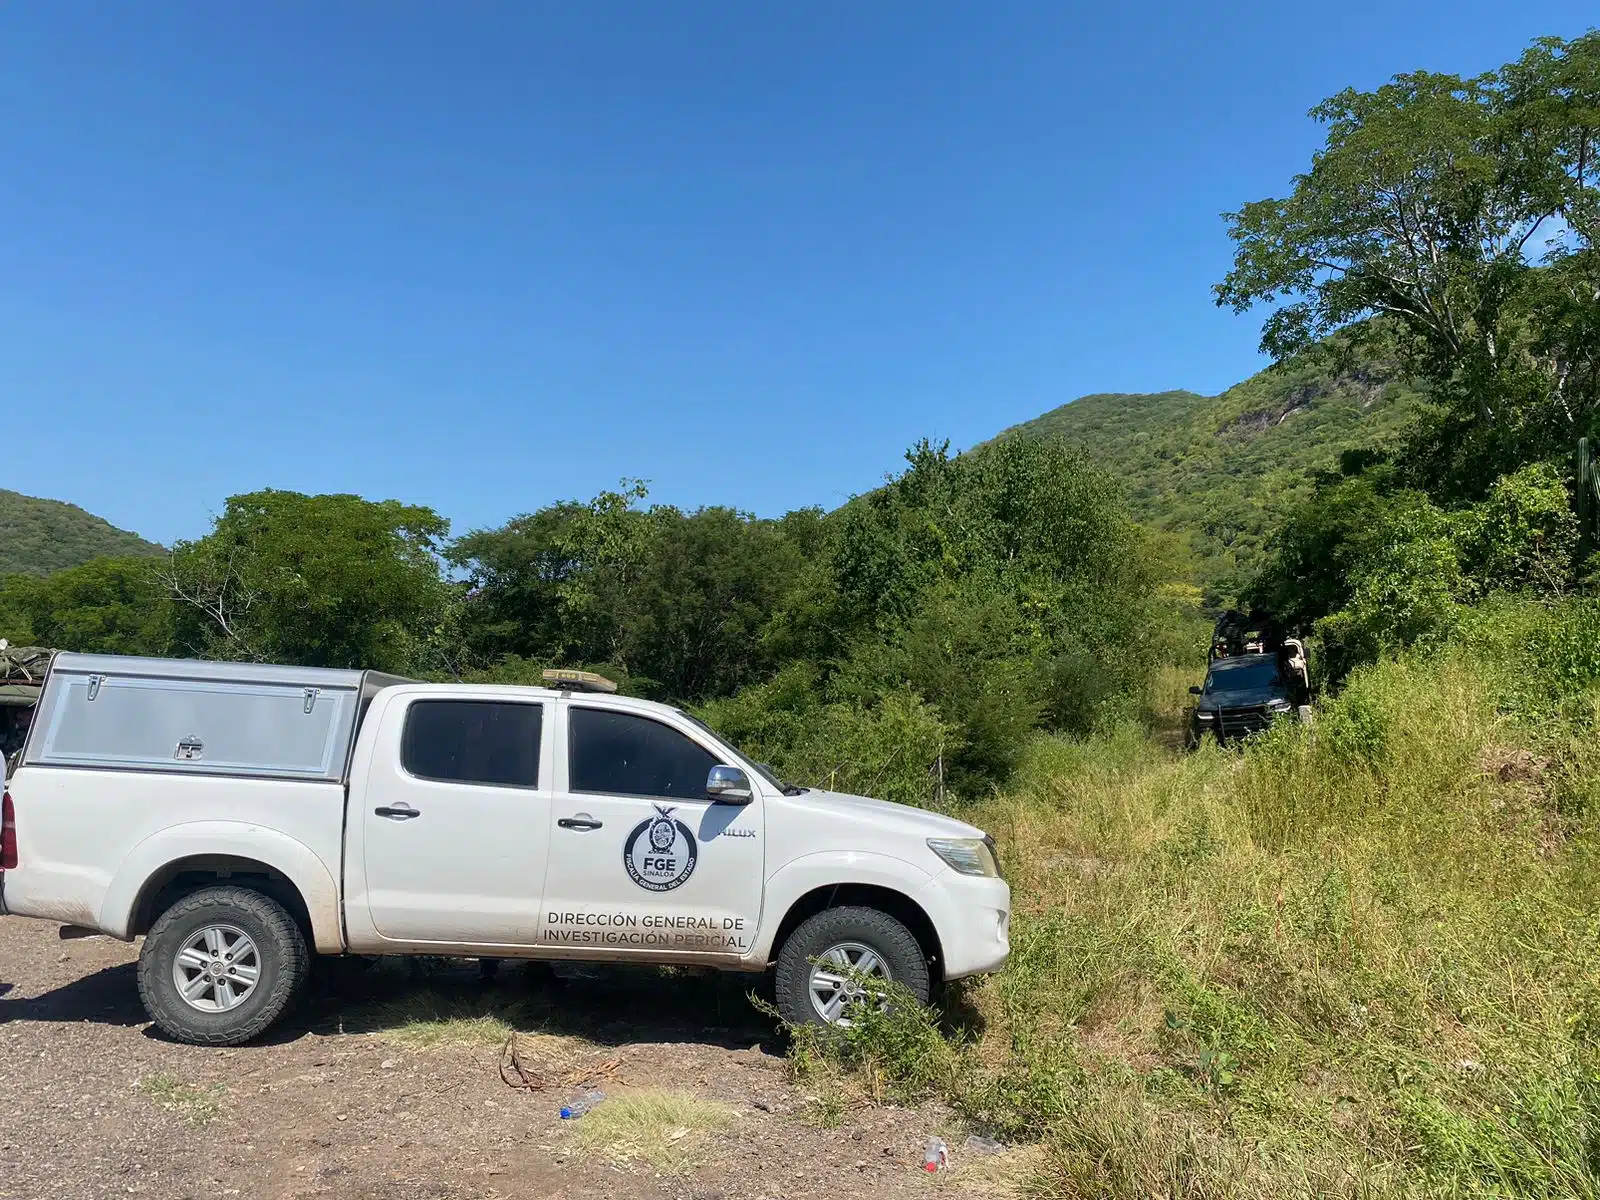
{"x":217,"y":968}
{"x":842,"y":979}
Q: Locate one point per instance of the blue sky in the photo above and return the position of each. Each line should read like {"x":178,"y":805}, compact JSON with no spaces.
{"x":486,"y":256}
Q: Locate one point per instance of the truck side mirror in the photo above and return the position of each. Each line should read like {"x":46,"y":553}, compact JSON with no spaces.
{"x":1196,"y":691}
{"x":728,"y":785}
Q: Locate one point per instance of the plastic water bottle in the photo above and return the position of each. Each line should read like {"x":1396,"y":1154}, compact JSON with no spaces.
{"x":576,"y":1107}
{"x":935,"y":1155}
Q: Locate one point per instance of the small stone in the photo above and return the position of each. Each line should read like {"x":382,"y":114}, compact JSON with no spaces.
{"x":388,"y":1064}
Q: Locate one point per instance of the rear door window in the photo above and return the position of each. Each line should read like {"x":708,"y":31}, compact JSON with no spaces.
{"x":473,"y":741}
{"x":618,"y":753}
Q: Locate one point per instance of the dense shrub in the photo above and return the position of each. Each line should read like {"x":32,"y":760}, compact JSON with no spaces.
{"x":1524,"y":535}
{"x":893,"y":748}
{"x":1372,"y":568}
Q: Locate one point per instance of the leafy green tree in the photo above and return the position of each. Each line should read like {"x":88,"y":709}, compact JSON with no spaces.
{"x":697,"y":619}
{"x":331,"y":581}
{"x":1007,"y":588}
{"x":1523,"y":536}
{"x":546,"y":584}
{"x":105,"y":606}
{"x":1428,"y":206}
{"x":1370,"y":566}
{"x":993,"y":593}
{"x":971,"y":653}
{"x":1404,"y":583}
{"x":684,"y":605}
{"x":1310,"y":570}
{"x":893,"y":746}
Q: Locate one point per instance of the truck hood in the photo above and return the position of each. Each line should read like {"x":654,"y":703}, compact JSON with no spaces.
{"x":916,"y":822}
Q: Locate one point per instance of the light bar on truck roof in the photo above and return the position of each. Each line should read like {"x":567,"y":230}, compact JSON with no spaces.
{"x":578,"y":681}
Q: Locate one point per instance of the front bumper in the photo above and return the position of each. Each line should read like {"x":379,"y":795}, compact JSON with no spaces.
{"x":972,"y":916}
{"x":1237,"y":723}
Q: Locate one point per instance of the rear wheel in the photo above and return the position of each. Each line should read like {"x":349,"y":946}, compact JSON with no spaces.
{"x":220,"y":966}
{"x":829,"y":966}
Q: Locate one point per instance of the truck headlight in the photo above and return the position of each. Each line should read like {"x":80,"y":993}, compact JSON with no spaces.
{"x":1205,"y":716}
{"x":970,"y":856}
{"x":1278,"y":706}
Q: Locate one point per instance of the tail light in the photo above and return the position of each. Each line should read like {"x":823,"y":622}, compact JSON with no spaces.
{"x":8,"y":834}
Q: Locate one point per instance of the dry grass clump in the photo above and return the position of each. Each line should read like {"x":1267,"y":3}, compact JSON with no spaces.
{"x":673,"y":1132}
{"x":1352,"y":961}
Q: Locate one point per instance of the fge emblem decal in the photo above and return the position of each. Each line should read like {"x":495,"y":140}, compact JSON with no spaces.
{"x":660,"y":853}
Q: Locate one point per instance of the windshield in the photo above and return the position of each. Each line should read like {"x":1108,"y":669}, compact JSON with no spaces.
{"x":1247,"y":675}
{"x":766,"y":772}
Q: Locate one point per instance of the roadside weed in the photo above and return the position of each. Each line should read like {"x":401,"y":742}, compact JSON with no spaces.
{"x":197,"y":1105}
{"x":673,"y":1132}
{"x":427,"y":1020}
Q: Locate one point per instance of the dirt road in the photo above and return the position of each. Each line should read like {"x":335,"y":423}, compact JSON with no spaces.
{"x":387,"y":1085}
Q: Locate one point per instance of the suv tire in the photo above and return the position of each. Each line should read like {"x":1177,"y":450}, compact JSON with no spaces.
{"x":222,"y":934}
{"x":803,"y":992}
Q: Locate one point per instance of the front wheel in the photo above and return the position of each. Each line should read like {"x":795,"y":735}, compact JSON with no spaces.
{"x":220,"y":966}
{"x":827,"y":968}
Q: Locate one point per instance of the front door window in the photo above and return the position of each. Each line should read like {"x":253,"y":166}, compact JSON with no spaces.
{"x":641,"y":858}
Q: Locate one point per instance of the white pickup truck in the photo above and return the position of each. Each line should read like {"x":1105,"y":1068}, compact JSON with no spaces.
{"x":243,"y":817}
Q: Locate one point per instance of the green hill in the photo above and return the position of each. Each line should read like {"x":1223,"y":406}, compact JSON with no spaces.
{"x":39,"y":536}
{"x":1220,"y":471}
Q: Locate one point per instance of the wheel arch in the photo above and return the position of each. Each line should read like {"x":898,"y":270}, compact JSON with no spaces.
{"x":190,"y":874}
{"x":184,"y":858}
{"x":887,"y":900}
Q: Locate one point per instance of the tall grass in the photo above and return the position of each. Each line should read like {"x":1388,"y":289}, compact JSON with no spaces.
{"x":1357,"y":960}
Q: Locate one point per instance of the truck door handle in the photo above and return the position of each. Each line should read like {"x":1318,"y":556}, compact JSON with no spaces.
{"x":582,"y":822}
{"x":397,"y":812}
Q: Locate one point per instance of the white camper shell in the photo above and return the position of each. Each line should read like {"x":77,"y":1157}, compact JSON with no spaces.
{"x":200,"y":718}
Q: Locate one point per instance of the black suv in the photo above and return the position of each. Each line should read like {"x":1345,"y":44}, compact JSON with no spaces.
{"x":1244,"y":693}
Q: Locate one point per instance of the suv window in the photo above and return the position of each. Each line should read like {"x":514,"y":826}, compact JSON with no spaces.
{"x":623,"y":754}
{"x":1251,"y":674}
{"x":473,"y":741}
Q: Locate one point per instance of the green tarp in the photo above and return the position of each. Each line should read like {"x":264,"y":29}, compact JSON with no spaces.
{"x":22,"y":670}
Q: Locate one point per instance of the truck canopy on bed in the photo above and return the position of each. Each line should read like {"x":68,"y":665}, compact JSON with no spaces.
{"x":205,"y":718}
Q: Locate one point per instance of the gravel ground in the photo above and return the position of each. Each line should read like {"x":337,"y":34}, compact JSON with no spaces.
{"x":353,"y":1098}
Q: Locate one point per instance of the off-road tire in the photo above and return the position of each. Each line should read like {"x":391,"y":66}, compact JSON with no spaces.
{"x":279,"y":943}
{"x":891,"y":940}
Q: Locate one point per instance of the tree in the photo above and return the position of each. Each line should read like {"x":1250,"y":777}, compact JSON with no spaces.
{"x":1404,"y":583}
{"x":682,"y":604}
{"x":696,"y":621}
{"x":1430,"y":206}
{"x":327,"y":581}
{"x":544,"y":585}
{"x":105,"y":606}
{"x":1007,"y":588}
